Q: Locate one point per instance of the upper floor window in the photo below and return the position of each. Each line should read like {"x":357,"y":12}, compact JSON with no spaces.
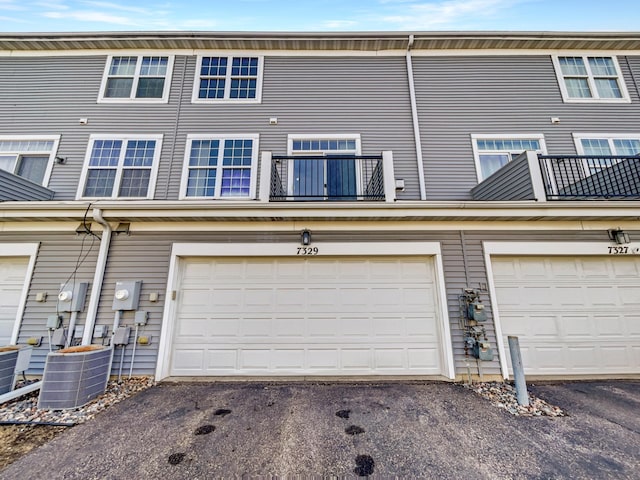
{"x":492,"y":152}
{"x":29,"y":157}
{"x":120,"y":167}
{"x":603,"y":145}
{"x":237,"y":79}
{"x":588,"y":79}
{"x":143,"y":78}
{"x":220,"y":167}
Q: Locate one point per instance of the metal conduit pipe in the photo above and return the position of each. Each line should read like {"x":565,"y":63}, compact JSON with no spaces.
{"x":96,"y":289}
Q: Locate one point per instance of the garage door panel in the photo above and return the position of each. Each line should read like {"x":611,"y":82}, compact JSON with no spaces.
{"x":314,"y":316}
{"x":589,"y":323}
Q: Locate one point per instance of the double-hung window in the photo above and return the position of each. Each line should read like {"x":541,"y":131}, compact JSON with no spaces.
{"x":590,"y":79}
{"x":142,"y":78}
{"x":29,"y":157}
{"x":120,"y":167}
{"x":492,"y":152}
{"x":227,"y":78}
{"x":599,"y":146}
{"x":220,"y":167}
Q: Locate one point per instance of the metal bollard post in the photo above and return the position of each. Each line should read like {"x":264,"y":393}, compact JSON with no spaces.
{"x":518,"y":371}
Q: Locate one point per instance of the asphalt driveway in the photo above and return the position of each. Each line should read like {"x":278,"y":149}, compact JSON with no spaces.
{"x":408,"y":430}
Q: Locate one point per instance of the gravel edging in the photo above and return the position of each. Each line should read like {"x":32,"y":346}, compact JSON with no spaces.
{"x":25,"y":409}
{"x":503,"y":395}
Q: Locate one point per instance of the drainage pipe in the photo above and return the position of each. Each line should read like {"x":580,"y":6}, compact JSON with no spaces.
{"x":96,"y":289}
{"x":414,"y":116}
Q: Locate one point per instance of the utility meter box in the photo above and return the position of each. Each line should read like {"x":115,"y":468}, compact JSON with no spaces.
{"x":483,"y":351}
{"x":476,"y":311}
{"x":121,"y":336}
{"x":127,"y":295}
{"x":71,"y":297}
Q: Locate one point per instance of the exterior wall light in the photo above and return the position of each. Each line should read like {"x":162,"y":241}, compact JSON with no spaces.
{"x":305,"y":237}
{"x":619,"y":236}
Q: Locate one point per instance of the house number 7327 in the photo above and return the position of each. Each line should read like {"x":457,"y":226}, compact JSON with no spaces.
{"x":307,"y":251}
{"x":618,"y":250}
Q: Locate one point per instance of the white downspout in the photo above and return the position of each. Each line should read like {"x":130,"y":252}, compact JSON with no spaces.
{"x":414,"y":115}
{"x":96,"y":289}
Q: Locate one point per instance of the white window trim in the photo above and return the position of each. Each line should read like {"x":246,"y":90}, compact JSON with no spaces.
{"x":539,"y":249}
{"x":283,"y":250}
{"x":610,"y":137}
{"x":590,"y":79}
{"x":509,"y":136}
{"x":221,"y":137}
{"x":136,"y":77}
{"x":21,"y":250}
{"x":124,"y":138}
{"x":196,"y":82}
{"x":52,"y":154}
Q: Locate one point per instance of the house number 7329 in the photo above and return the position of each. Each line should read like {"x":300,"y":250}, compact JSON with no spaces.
{"x":307,"y":251}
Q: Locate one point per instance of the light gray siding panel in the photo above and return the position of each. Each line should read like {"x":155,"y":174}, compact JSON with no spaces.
{"x":315,"y":95}
{"x":61,"y":257}
{"x":459,"y":96}
{"x":13,"y":187}
{"x":48,"y":96}
{"x":511,"y":182}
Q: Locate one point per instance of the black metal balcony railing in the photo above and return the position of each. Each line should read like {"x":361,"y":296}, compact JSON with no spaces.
{"x":333,"y":178}
{"x":587,"y":177}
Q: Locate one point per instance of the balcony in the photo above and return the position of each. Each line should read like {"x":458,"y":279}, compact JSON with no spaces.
{"x":330,"y":178}
{"x":581,"y":177}
{"x":563,"y":177}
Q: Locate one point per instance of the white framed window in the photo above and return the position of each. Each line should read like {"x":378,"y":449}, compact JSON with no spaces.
{"x":29,"y":156}
{"x":123,"y":167}
{"x":220,"y":167}
{"x":139,"y":78}
{"x":599,"y":145}
{"x":228,"y":79}
{"x":589,"y":78}
{"x":492,"y":152}
{"x":334,"y":175}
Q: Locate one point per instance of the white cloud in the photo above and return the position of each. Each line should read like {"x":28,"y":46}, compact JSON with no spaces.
{"x":425,"y":15}
{"x":339,"y":23}
{"x":91,"y":16}
{"x":116,"y":6}
{"x":10,"y":5}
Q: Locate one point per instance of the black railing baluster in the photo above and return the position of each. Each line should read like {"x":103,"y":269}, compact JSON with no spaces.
{"x":576,"y":177}
{"x":327,"y":178}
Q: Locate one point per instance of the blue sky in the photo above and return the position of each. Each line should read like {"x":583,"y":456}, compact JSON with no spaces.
{"x":319,"y":15}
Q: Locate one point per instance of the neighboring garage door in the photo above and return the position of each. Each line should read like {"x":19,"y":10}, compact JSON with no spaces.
{"x":573,"y":315}
{"x":13,"y":271}
{"x":313,"y":316}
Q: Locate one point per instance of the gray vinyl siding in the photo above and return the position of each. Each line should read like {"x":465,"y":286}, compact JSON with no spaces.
{"x":13,"y":187}
{"x":512,"y":94}
{"x":146,"y":256}
{"x":333,"y":95}
{"x":511,"y":182}
{"x":58,"y":255}
{"x":315,"y":95}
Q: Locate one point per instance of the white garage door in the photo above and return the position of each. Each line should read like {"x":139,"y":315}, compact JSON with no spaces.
{"x":314,"y":316}
{"x":573,"y":315}
{"x":13,"y":271}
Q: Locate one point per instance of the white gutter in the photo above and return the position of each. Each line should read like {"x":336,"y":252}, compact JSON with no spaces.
{"x":96,"y":289}
{"x":414,"y":115}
